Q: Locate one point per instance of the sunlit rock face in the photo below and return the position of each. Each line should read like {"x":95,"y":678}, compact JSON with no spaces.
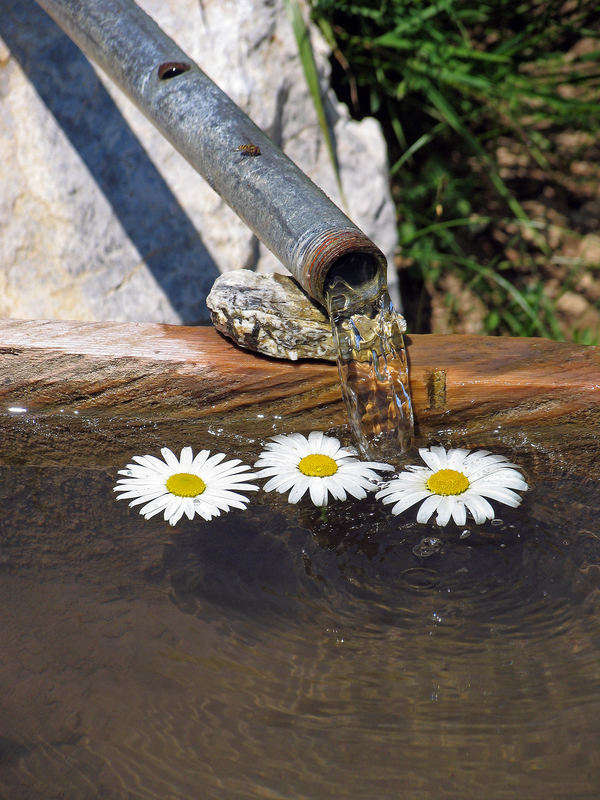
{"x":101,"y":219}
{"x":270,"y":314}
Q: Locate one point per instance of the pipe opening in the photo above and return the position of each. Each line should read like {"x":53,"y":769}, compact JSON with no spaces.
{"x":171,"y":69}
{"x":361,"y":272}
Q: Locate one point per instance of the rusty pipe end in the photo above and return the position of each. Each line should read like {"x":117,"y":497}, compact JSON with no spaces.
{"x":340,"y":253}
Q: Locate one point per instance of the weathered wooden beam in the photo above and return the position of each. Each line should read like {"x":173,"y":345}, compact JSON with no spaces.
{"x":468,"y":385}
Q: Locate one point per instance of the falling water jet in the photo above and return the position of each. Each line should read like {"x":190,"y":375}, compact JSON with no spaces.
{"x":371,"y":358}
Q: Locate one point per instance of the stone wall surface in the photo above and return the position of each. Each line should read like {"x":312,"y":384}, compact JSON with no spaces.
{"x":101,"y":219}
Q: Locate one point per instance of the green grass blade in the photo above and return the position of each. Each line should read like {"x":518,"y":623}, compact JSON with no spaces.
{"x":309,"y":66}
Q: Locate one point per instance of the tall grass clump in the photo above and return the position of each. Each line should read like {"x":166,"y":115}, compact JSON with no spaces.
{"x":492,"y":114}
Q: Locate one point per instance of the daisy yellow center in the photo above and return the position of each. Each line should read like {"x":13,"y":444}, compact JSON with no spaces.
{"x":318,"y":466}
{"x":184,"y":484}
{"x":448,"y":481}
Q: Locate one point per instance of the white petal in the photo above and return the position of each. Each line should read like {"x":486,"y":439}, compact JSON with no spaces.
{"x":315,"y":439}
{"x":406,"y":501}
{"x":427,"y":508}
{"x":478,"y":506}
{"x":456,"y":458}
{"x":231,"y":467}
{"x":133,"y":489}
{"x":185,"y":459}
{"x":174,"y":517}
{"x":378,"y":465}
{"x":233,"y":500}
{"x":295,"y":442}
{"x":281,"y":483}
{"x":408,"y":481}
{"x":434,"y":457}
{"x":318,"y":492}
{"x":189,"y":508}
{"x":146,"y":498}
{"x":509,"y":478}
{"x":267,"y":472}
{"x":206,"y":511}
{"x":170,"y":458}
{"x":150,"y":464}
{"x":298,"y":489}
{"x":200,"y":459}
{"x":484,"y":470}
{"x":150,"y":514}
{"x":155,"y":505}
{"x":356,"y":490}
{"x":336,"y":487}
{"x":459,"y":512}
{"x":341,"y":453}
{"x":246,"y":487}
{"x":444,"y":510}
{"x":506,"y":496}
{"x":213,"y":461}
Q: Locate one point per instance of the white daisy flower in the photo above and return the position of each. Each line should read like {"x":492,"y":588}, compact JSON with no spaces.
{"x":318,"y":463}
{"x":187,"y":485}
{"x":453,"y":482}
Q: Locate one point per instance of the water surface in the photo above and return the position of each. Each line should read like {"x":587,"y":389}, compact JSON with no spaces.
{"x":274,"y":653}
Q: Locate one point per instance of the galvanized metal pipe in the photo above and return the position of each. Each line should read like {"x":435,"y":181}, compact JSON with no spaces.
{"x":278,"y":202}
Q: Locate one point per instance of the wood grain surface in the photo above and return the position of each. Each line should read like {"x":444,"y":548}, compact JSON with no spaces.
{"x":471,"y":385}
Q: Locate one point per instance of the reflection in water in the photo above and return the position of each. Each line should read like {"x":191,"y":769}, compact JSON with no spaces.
{"x":274,"y":654}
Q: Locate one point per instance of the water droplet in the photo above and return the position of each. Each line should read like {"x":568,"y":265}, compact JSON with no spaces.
{"x":497,"y":522}
{"x":428,"y":546}
{"x":465,"y":534}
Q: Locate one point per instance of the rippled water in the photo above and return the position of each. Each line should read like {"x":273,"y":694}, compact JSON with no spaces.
{"x":276,"y":654}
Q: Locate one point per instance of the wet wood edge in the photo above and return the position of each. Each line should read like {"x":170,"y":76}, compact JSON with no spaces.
{"x":469,"y":384}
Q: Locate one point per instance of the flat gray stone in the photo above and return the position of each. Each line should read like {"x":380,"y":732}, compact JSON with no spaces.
{"x":270,"y":314}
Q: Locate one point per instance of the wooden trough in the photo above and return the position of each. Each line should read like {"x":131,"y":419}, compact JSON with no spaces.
{"x":90,"y":391}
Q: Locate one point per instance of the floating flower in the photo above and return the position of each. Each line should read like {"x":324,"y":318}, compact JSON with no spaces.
{"x":202,"y":485}
{"x":318,"y":463}
{"x":453,"y":482}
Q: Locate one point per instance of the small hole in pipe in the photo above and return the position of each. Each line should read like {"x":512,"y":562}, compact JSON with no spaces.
{"x":171,"y":69}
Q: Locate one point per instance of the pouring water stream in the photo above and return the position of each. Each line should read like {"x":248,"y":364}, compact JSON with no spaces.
{"x":373,"y":368}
